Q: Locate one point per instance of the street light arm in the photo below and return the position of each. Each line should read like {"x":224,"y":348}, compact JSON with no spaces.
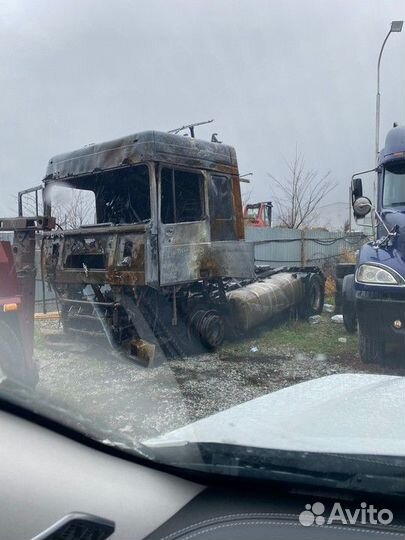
{"x":379,"y":60}
{"x":396,"y":26}
{"x":377,"y":107}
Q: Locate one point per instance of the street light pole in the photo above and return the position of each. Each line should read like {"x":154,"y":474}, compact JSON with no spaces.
{"x":396,"y":26}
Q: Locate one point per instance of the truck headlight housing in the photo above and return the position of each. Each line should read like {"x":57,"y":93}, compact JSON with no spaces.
{"x":373,"y":274}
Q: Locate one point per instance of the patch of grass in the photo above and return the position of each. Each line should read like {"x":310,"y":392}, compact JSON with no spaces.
{"x":297,"y":337}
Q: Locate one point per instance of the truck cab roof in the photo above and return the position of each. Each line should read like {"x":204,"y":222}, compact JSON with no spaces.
{"x":140,"y":148}
{"x":394,"y":146}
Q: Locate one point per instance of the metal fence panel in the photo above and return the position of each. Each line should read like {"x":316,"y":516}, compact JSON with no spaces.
{"x":6,"y":236}
{"x":292,"y":247}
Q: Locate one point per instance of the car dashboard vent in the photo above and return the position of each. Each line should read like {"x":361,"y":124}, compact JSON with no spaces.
{"x":78,"y":526}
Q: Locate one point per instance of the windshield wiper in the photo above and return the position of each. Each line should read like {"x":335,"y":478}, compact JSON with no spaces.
{"x":350,"y":472}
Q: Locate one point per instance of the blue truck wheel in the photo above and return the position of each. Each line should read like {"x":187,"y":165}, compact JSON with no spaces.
{"x":349,"y":304}
{"x":342,"y":270}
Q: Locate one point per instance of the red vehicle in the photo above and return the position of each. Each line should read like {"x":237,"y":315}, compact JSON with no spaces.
{"x":12,"y":354}
{"x":17,"y":299}
{"x":258,"y":214}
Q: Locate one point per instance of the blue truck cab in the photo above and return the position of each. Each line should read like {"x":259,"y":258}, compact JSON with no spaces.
{"x":374,"y":296}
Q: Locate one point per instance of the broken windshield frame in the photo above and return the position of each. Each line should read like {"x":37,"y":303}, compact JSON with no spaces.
{"x":122,"y":197}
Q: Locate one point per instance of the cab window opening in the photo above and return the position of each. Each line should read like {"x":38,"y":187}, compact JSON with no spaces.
{"x":182,"y":196}
{"x":118,"y":197}
{"x":221,"y":197}
{"x":124,"y":196}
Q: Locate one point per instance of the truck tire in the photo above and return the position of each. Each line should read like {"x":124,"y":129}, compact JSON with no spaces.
{"x":314,"y":297}
{"x":342,"y":270}
{"x":371,"y":348}
{"x":349,"y":304}
{"x":12,"y":358}
{"x":209,"y":327}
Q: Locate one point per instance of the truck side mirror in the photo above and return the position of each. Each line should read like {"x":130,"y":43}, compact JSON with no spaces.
{"x":357,"y":189}
{"x":361,"y":207}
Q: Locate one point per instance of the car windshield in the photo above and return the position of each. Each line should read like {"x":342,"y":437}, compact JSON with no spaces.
{"x":394,"y":187}
{"x":139,"y":303}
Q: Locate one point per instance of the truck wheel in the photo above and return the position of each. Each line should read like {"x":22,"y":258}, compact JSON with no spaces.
{"x":349,"y":304}
{"x":342,"y":270}
{"x":371,"y":348}
{"x":209,"y":325}
{"x":12,"y":358}
{"x":314,"y":297}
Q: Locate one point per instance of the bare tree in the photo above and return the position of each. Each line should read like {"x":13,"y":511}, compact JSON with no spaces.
{"x":246,"y":195}
{"x":297,"y":196}
{"x":75,"y":210}
{"x":346,"y":226}
{"x":72,"y":208}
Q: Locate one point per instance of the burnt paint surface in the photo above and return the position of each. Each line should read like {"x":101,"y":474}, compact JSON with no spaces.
{"x":191,"y":262}
{"x":182,"y":263}
{"x":142,"y":147}
{"x":95,"y":256}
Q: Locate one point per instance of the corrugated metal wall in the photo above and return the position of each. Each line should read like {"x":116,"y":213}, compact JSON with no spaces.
{"x":291,"y":247}
{"x":7,"y":236}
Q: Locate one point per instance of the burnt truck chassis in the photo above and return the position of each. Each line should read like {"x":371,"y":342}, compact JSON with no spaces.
{"x":153,"y":324}
{"x":165,"y":271}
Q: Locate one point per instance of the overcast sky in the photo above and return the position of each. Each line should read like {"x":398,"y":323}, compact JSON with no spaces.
{"x":273,"y":75}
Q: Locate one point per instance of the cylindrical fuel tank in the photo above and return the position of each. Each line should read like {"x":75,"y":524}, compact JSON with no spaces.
{"x":260,"y":301}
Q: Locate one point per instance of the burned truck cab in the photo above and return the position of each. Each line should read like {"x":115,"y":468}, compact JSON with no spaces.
{"x":167,"y":211}
{"x":148,"y":212}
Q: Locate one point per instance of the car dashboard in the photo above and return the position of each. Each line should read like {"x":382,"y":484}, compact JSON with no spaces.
{"x":50,"y":481}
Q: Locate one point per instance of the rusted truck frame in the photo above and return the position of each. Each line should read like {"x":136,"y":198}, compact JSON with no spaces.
{"x":156,"y":268}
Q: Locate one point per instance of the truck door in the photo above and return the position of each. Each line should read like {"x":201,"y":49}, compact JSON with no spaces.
{"x":183,"y":225}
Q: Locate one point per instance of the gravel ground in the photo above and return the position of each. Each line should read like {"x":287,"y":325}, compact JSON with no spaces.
{"x":89,"y":378}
